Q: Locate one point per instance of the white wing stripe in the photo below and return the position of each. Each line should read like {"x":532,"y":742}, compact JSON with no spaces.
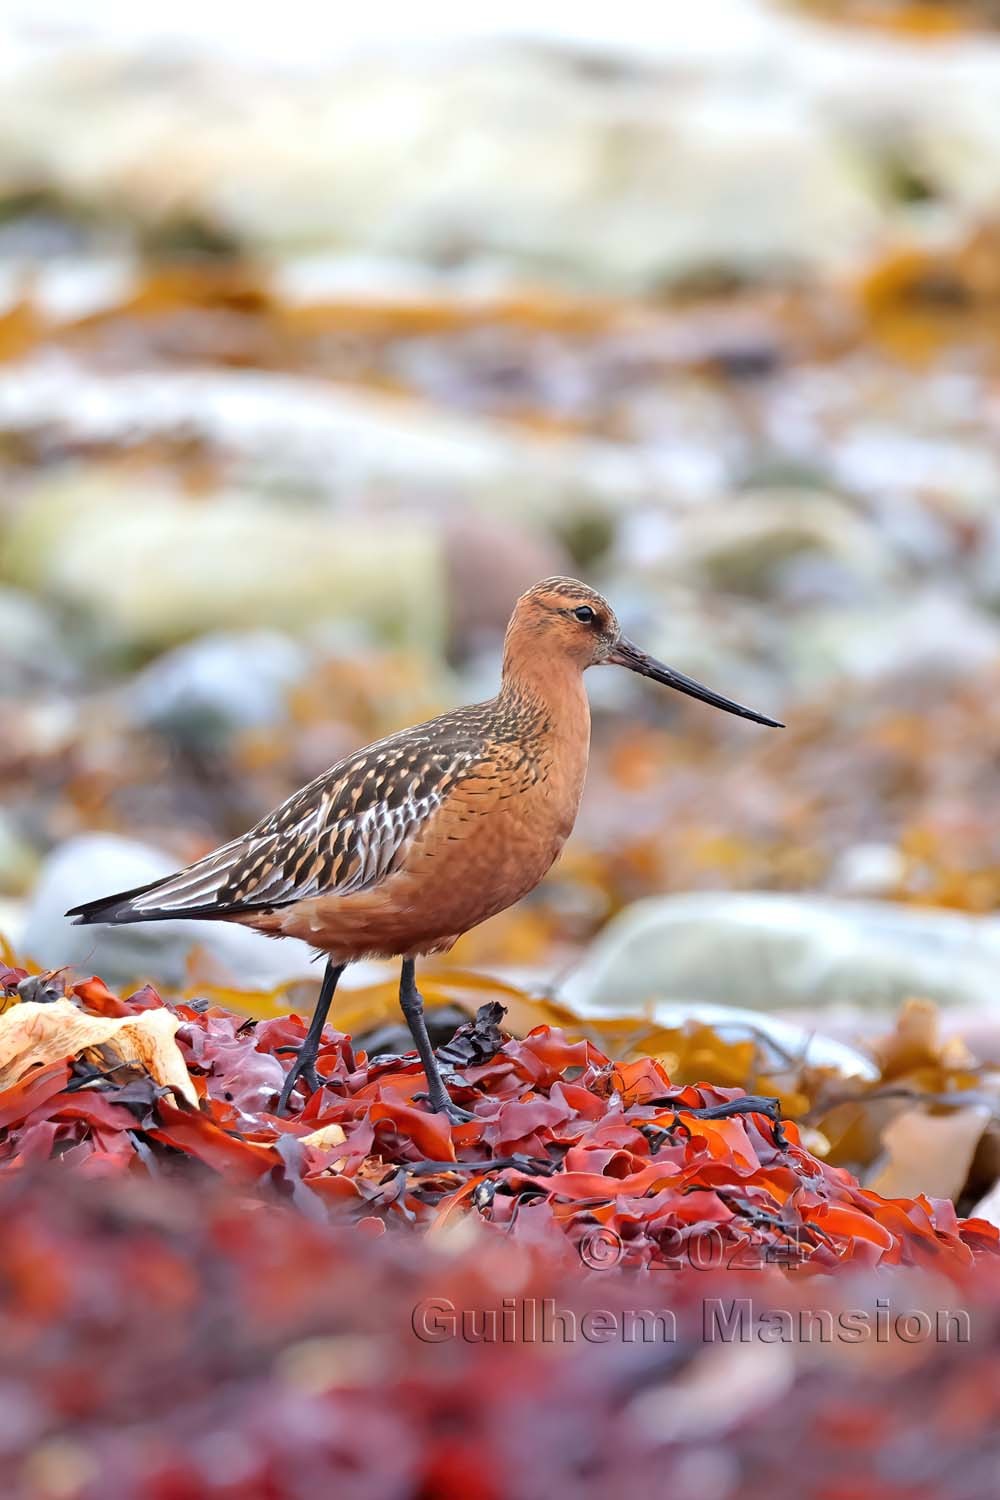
{"x":194,"y":886}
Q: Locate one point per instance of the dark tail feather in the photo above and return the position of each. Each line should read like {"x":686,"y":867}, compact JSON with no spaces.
{"x":116,"y":910}
{"x":196,"y":891}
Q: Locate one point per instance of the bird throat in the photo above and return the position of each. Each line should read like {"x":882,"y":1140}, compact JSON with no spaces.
{"x":546,"y":687}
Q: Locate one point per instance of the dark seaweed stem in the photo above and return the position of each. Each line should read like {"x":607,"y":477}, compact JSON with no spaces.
{"x":800,"y":1236}
{"x":530,"y":1165}
{"x":749,"y":1104}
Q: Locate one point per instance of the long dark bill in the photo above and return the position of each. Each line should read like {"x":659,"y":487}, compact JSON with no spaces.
{"x":625,"y":654}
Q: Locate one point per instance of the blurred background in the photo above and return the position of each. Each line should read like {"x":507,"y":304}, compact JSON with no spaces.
{"x":323,"y":335}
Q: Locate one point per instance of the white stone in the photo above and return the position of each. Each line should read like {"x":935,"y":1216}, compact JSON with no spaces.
{"x":771,"y":952}
{"x":93,"y":865}
{"x":868,"y":870}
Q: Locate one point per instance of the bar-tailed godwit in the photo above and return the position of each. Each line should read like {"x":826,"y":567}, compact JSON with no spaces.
{"x":403,"y":846}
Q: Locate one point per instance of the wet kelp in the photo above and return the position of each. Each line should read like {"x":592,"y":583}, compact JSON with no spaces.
{"x":565,"y":1144}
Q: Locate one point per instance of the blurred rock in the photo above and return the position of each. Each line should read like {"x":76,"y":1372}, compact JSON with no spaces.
{"x":33,"y":653}
{"x":868,"y":870}
{"x":18,"y":858}
{"x":11,"y":922}
{"x":490,"y":562}
{"x":744,"y":545}
{"x":986,"y":566}
{"x":913,"y":455}
{"x":933,"y":632}
{"x":622,"y":176}
{"x":772,"y":951}
{"x":202,"y":692}
{"x":93,"y":865}
{"x":607,"y":150}
{"x":161,"y":567}
{"x":301,"y":437}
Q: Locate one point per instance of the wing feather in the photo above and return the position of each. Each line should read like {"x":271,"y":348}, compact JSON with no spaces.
{"x":344,"y":832}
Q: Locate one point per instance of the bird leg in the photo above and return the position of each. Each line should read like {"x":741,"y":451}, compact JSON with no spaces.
{"x":413,"y":1009}
{"x":304,"y":1066}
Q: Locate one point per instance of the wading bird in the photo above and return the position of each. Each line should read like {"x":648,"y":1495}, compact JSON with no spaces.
{"x":408,"y":843}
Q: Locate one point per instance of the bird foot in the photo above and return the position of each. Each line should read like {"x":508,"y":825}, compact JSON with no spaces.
{"x":455,"y":1113}
{"x":447,"y":1106}
{"x":303,"y":1068}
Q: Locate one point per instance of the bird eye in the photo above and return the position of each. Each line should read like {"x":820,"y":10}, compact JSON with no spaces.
{"x":584,"y":614}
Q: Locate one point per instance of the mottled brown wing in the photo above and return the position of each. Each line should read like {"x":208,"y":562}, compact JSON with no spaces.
{"x":343,"y":832}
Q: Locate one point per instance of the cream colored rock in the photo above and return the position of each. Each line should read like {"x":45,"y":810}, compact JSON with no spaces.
{"x":506,"y":153}
{"x":160,"y":567}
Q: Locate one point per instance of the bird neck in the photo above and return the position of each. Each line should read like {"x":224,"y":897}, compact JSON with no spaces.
{"x":552,"y":681}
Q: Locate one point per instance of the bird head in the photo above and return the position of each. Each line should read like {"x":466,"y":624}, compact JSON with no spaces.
{"x":564,"y":616}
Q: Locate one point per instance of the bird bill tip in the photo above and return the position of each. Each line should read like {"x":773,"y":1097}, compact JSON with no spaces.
{"x":627,"y":654}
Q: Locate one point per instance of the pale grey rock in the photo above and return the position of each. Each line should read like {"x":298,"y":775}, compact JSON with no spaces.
{"x":932,"y":632}
{"x":745,"y":544}
{"x":98,"y":864}
{"x":986,"y":566}
{"x":868,"y":870}
{"x":902,"y":458}
{"x":210,"y":688}
{"x":33,"y":653}
{"x":771,"y":952}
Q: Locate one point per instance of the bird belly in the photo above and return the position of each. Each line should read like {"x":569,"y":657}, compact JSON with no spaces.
{"x":479,"y":853}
